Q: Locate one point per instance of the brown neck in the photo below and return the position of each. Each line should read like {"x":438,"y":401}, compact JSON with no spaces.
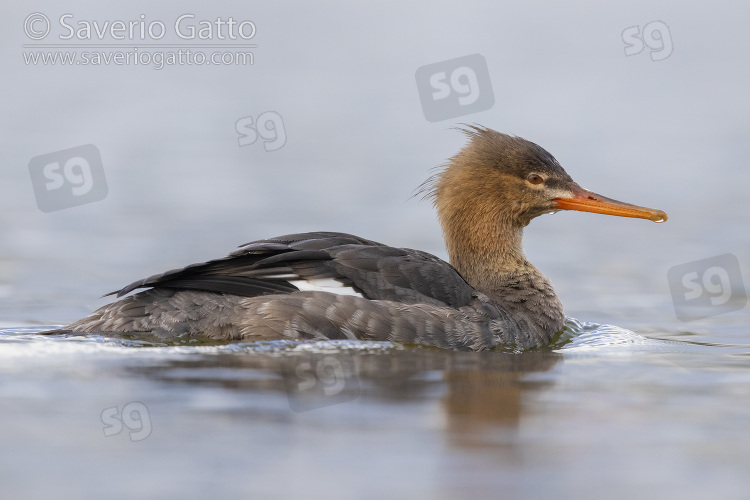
{"x":484,"y":242}
{"x":486,"y":250}
{"x":482,"y":232}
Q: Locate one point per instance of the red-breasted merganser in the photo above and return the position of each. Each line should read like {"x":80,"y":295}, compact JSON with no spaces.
{"x":325,"y":285}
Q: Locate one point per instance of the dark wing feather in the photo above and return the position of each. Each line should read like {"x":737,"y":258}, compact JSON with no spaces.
{"x":233,"y":285}
{"x":243,"y":261}
{"x":376,"y":271}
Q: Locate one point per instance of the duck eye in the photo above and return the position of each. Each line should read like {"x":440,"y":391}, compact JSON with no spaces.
{"x":534,"y":179}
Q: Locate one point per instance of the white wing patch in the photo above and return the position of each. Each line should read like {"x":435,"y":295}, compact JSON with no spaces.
{"x":325,"y":285}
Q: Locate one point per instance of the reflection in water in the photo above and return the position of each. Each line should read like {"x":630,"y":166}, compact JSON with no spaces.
{"x":368,"y":416}
{"x":486,"y":391}
{"x":477,"y":391}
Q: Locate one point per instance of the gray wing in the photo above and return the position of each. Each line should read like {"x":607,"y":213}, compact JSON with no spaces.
{"x":376,"y":271}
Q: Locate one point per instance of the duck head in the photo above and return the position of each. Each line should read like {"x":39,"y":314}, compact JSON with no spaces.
{"x":517,"y":180}
{"x":491,"y":189}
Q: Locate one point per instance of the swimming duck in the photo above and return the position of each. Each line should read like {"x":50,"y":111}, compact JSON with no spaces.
{"x":326,"y":285}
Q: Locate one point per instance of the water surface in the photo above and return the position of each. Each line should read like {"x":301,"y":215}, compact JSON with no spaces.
{"x":664,"y":414}
{"x":653,"y":407}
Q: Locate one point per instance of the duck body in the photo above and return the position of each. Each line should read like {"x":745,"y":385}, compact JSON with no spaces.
{"x":326,"y":285}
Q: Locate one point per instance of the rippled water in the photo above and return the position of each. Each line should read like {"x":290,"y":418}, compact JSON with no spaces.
{"x":655,"y":407}
{"x":666,"y":415}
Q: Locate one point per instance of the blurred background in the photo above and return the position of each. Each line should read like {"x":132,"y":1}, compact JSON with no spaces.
{"x":113,"y":171}
{"x":664,"y":127}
